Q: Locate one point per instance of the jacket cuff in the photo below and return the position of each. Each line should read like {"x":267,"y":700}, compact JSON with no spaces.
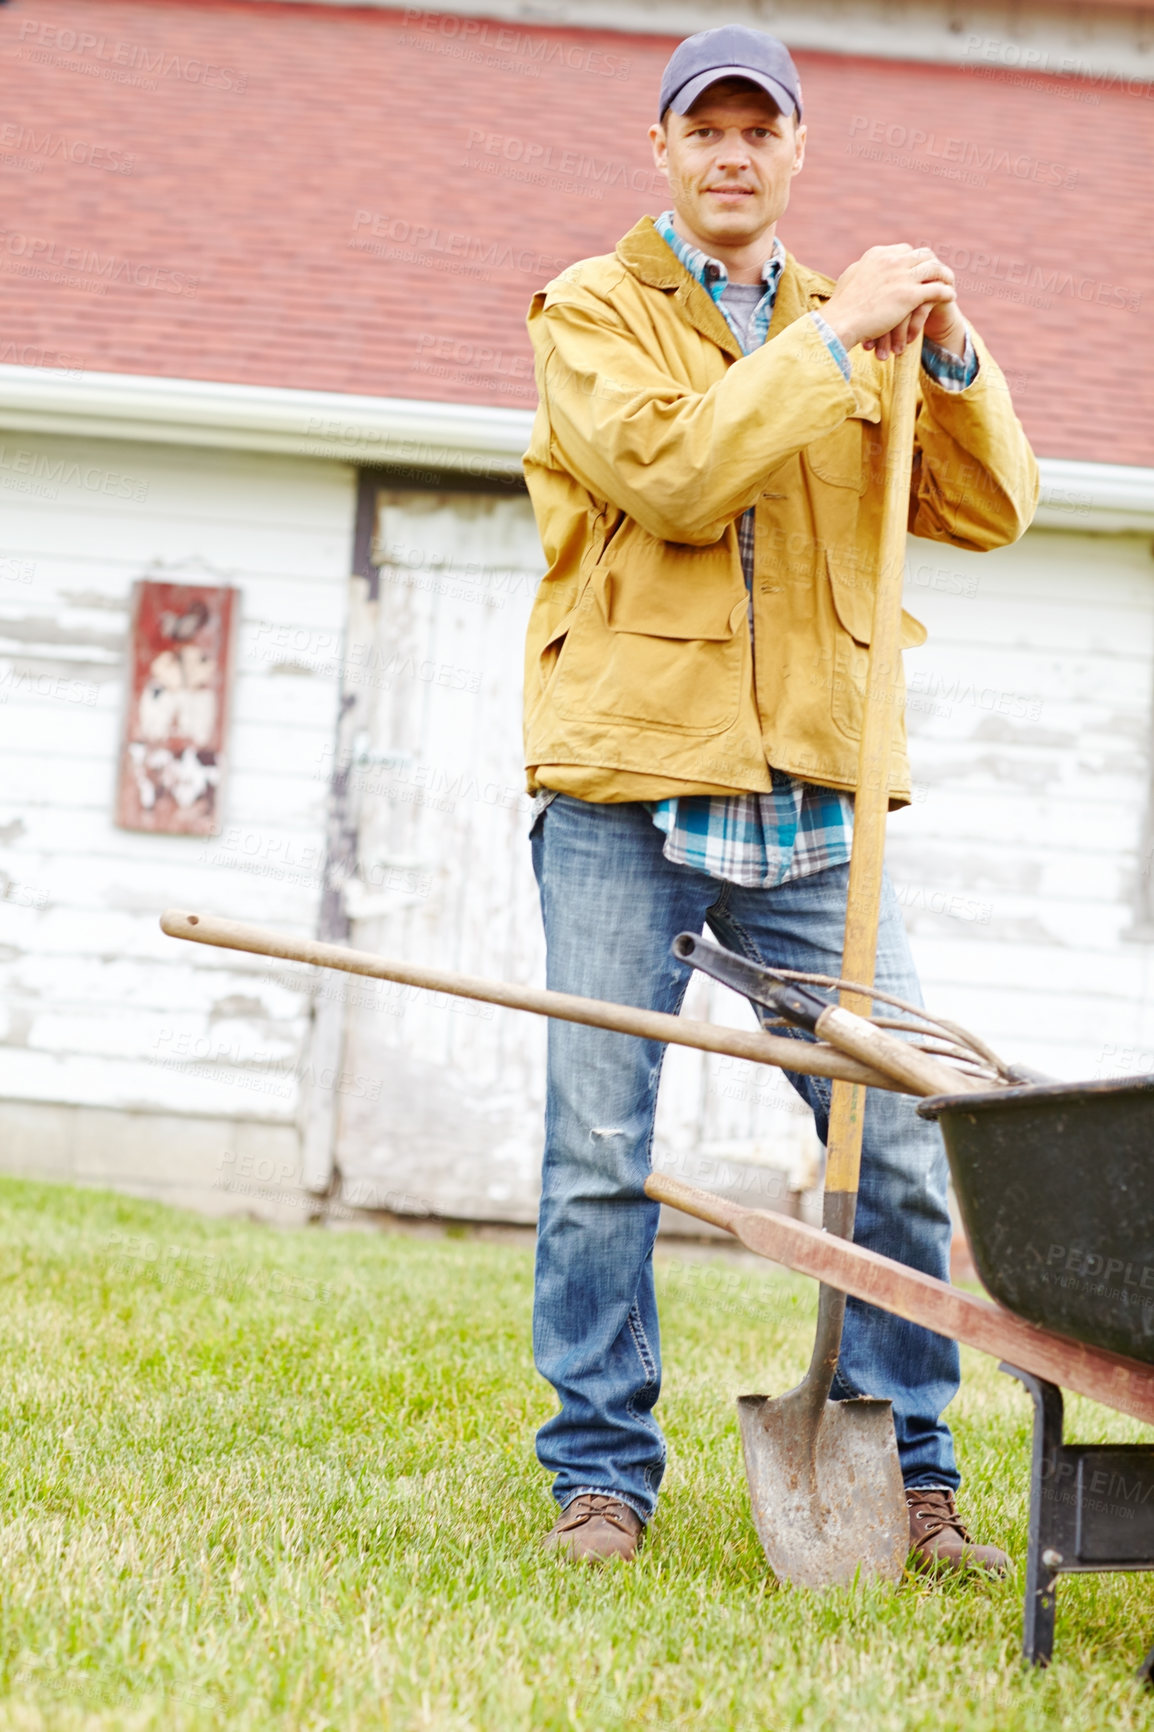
{"x":952,"y":372}
{"x":981,"y":373}
{"x":833,"y":343}
{"x":811,"y":350}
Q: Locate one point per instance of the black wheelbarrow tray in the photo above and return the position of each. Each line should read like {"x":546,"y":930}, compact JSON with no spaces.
{"x":1055,"y":1184}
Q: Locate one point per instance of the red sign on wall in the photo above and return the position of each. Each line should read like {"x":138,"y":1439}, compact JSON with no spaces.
{"x":180,"y":672}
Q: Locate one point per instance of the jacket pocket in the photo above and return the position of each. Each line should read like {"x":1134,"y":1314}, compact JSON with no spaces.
{"x":841,"y":457}
{"x":550,"y":652}
{"x":852,"y":590}
{"x":659,"y":637}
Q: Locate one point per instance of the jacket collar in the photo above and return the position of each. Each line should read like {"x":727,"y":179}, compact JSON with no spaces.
{"x":643,"y":252}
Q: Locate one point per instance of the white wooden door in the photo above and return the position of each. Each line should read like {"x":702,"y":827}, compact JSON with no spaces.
{"x":449,"y":1119}
{"x":448,"y":1110}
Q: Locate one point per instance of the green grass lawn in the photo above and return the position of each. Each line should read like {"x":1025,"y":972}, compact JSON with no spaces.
{"x":252,"y":1478}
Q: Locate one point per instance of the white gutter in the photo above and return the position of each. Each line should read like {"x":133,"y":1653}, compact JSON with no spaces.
{"x":1099,"y":497}
{"x":437,"y":438}
{"x":364,"y":431}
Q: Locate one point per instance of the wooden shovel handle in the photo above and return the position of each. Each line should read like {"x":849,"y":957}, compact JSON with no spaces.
{"x":871,"y":802}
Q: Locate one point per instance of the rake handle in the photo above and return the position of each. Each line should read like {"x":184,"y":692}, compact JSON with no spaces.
{"x":804,"y":1057}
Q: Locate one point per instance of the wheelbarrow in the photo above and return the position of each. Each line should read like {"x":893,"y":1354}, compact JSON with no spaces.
{"x":1052,"y":1181}
{"x":1056,"y":1192}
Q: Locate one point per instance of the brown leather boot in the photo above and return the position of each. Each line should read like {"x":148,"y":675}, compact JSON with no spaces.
{"x":596,"y":1530}
{"x":939,"y":1539}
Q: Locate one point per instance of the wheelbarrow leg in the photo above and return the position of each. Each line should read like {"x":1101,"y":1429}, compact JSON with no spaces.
{"x":1091,"y":1511}
{"x":1049,"y":1518}
{"x":1145,"y":1672}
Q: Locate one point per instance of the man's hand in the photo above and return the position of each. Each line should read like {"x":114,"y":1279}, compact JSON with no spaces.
{"x":889,"y":296}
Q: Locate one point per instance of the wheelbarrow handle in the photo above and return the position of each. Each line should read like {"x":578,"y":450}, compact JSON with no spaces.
{"x":1111,"y":1378}
{"x":705,"y":1205}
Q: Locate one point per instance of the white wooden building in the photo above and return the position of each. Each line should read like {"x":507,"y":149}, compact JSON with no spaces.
{"x":1023,"y":863}
{"x":386,"y":558}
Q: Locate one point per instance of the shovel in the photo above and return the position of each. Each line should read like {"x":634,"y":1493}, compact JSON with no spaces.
{"x":824,"y":1477}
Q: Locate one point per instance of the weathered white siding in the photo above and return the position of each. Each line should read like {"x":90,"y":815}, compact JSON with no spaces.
{"x":126,"y":1056}
{"x":1019,"y":862}
{"x":102,"y":1013}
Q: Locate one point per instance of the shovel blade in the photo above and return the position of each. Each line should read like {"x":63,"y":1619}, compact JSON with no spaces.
{"x":829,"y":1501}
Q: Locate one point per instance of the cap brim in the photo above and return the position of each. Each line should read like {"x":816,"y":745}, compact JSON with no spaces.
{"x":684,"y":99}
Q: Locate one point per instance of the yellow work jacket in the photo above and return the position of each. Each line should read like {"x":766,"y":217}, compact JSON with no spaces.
{"x":653,"y":436}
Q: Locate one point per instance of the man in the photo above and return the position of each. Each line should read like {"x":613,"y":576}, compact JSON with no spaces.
{"x":707,"y":469}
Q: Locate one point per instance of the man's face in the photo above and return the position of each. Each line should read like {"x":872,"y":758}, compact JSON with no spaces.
{"x":729,"y":162}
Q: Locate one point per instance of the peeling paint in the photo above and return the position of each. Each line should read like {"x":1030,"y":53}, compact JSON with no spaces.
{"x":38,"y":628}
{"x":1000,"y":731}
{"x":237,"y":1006}
{"x":1109,"y":764}
{"x":19,"y":1026}
{"x":996,"y":870}
{"x":126,"y":900}
{"x":1129,"y":724}
{"x":1023,"y":929}
{"x":95,"y":599}
{"x":1028,"y":774}
{"x":23,"y":669}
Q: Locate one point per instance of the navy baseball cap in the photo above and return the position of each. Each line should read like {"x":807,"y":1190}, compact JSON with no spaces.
{"x":730,"y":51}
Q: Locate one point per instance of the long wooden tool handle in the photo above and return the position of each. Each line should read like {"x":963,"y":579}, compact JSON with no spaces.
{"x":871,"y":802}
{"x":917,"y":1072}
{"x":706,"y":1205}
{"x":1111,"y":1378}
{"x":797,"y":1055}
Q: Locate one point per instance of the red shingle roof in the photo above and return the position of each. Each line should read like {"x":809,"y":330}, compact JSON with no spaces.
{"x":364,"y":201}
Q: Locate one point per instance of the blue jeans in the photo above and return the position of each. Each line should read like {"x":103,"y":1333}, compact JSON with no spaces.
{"x":612,"y":904}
